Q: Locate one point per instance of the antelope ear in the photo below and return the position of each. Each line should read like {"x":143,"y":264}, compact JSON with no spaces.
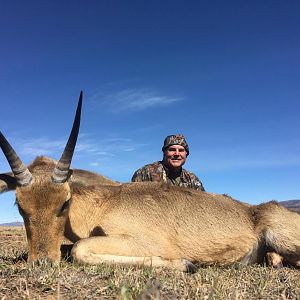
{"x":8,"y":182}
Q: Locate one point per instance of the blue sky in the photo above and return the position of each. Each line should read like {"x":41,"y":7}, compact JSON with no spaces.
{"x":223,"y":73}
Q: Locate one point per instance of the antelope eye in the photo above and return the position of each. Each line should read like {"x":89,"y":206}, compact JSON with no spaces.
{"x":64,"y":207}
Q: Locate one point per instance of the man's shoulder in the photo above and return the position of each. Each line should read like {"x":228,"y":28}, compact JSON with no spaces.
{"x":154,"y":165}
{"x":193,"y":179}
{"x":189,"y":173}
{"x":149,"y":172}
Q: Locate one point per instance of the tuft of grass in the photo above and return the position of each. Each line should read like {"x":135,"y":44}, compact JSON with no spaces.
{"x":74,"y":281}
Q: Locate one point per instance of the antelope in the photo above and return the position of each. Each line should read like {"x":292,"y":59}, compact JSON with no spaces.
{"x":142,"y":223}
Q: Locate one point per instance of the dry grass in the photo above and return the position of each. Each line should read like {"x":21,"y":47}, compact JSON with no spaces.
{"x":71,"y":281}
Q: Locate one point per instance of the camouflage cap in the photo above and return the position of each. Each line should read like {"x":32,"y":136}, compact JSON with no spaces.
{"x":175,"y":139}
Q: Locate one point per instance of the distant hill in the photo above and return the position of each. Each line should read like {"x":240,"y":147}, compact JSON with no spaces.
{"x":12,"y":224}
{"x":291,"y":204}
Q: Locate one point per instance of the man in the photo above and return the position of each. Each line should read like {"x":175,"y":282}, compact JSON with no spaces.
{"x":175,"y":152}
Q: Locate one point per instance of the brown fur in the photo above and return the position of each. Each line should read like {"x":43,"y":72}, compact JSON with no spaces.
{"x":149,"y":223}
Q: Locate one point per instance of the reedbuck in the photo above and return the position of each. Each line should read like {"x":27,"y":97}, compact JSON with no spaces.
{"x":146,"y":223}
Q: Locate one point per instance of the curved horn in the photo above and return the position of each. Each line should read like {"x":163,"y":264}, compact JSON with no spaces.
{"x":21,"y":173}
{"x":61,"y":171}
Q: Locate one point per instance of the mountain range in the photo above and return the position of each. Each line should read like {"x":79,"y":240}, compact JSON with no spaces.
{"x":12,"y":224}
{"x":291,"y":204}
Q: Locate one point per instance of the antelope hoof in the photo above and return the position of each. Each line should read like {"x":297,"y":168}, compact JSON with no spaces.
{"x":189,"y":266}
{"x":274,"y":260}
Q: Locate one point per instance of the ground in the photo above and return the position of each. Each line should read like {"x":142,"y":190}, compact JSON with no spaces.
{"x":72,"y":281}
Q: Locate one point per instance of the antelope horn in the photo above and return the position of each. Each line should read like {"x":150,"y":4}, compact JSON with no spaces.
{"x":20,"y":171}
{"x":61,"y":172}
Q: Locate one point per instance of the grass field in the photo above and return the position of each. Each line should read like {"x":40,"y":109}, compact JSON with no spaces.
{"x":72,"y":281}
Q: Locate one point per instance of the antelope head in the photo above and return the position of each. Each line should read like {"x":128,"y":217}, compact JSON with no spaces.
{"x":43,"y":195}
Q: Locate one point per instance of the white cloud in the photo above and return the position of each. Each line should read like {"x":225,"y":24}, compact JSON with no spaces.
{"x":41,"y":146}
{"x":102,"y":153}
{"x":106,"y":148}
{"x":135,"y":100}
{"x":86,"y":146}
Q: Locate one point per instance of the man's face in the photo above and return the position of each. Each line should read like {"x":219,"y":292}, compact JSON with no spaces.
{"x":175,"y":156}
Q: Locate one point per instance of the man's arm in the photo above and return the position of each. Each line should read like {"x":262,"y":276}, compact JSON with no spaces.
{"x":136,"y":176}
{"x":140,"y":175}
{"x":195,"y":182}
{"x":199,"y":186}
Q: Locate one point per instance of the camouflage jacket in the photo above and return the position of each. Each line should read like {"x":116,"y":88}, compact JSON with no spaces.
{"x":158,"y":172}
